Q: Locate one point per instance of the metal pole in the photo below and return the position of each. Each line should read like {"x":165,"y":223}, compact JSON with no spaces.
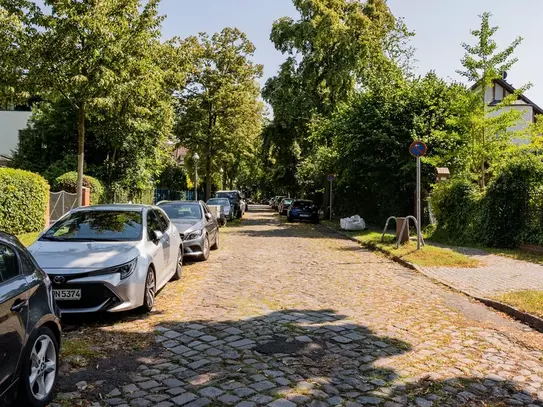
{"x":331,"y":199}
{"x":196,"y":182}
{"x":418,"y":205}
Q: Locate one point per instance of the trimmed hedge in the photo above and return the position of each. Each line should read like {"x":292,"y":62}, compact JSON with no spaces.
{"x":24,"y":197}
{"x":507,"y":214}
{"x":68,"y":182}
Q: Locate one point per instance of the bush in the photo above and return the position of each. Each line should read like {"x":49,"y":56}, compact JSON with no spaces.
{"x":455,"y":204}
{"x":68,"y":182}
{"x":23,"y":201}
{"x":511,"y":208}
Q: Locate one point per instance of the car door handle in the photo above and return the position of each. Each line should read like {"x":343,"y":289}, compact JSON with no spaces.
{"x":19,"y":305}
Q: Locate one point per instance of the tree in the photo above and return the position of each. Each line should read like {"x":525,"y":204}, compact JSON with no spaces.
{"x":218,"y":113}
{"x":335,"y":48}
{"x":488,"y":132}
{"x":91,"y":54}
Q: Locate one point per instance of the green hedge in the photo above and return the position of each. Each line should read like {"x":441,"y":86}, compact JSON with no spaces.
{"x":508,"y":213}
{"x":68,"y":182}
{"x":23,"y":201}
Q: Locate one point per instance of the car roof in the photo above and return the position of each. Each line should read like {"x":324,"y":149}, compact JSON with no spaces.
{"x":229,"y":190}
{"x":303,"y":200}
{"x":11,"y":239}
{"x":185,"y":202}
{"x":114,"y":207}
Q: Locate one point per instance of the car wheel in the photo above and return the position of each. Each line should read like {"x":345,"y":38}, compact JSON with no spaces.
{"x":205,"y":255}
{"x":149,"y":291}
{"x":239,"y":214}
{"x":40,"y":370}
{"x":178,"y":266}
{"x":216,"y":244}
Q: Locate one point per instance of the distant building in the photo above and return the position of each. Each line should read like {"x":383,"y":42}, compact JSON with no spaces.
{"x":499,"y":90}
{"x":12,"y":120}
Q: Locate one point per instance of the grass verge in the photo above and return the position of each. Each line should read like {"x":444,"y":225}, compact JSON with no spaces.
{"x":428,"y":256}
{"x":530,"y":301}
{"x":28,"y":238}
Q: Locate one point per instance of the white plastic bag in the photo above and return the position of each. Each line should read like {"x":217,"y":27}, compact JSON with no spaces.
{"x":353,"y":223}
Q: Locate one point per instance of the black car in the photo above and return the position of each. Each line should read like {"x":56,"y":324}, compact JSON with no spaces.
{"x":29,"y":329}
{"x":301,"y":209}
{"x":236,"y":201}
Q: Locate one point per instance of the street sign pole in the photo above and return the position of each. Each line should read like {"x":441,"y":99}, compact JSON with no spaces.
{"x":418,"y":205}
{"x":417,"y":149}
{"x":331,"y":181}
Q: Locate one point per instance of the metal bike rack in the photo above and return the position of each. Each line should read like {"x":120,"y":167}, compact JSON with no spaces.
{"x":405,"y":226}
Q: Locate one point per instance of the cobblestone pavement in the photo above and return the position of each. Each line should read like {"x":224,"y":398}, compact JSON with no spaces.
{"x":286,"y":315}
{"x":496,"y":275}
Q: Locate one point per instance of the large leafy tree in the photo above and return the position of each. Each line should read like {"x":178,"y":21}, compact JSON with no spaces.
{"x":488,"y":127}
{"x":94,"y":54}
{"x":334,"y":49}
{"x":219,"y":114}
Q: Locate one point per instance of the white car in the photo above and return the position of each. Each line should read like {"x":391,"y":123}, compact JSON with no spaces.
{"x":110,"y":257}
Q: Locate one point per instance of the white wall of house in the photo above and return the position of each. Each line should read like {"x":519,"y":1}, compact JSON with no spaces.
{"x":10,"y":124}
{"x":527,"y":118}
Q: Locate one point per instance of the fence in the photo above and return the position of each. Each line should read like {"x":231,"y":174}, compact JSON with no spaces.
{"x":162,"y":194}
{"x":60,"y":203}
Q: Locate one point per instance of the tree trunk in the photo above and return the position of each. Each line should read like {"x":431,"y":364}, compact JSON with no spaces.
{"x":80,"y":151}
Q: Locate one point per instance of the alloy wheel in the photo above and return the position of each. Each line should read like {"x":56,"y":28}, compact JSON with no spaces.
{"x":43,"y":367}
{"x":150,"y":289}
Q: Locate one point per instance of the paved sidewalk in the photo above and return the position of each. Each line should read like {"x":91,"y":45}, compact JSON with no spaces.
{"x":496,"y":275}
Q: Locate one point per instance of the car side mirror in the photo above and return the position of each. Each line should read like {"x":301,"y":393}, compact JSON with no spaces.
{"x":157,"y":235}
{"x":209,"y":216}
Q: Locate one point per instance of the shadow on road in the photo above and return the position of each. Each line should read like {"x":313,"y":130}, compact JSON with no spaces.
{"x":307,"y":357}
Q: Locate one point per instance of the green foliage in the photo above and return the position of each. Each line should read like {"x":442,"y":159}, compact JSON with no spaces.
{"x":512,"y":208}
{"x":68,"y":182}
{"x":174,"y":177}
{"x":455,"y":204}
{"x":334,"y":49}
{"x":23,"y":201}
{"x":219,"y":115}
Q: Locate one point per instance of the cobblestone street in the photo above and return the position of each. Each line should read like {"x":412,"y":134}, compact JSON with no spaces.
{"x":290,"y":314}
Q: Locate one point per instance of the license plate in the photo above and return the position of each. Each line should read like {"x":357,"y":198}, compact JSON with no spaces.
{"x":67,"y":295}
{"x":303,"y":215}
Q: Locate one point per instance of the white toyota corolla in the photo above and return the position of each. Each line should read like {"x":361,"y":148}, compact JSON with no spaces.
{"x":110,"y":257}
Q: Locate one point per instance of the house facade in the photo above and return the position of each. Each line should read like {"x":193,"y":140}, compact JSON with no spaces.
{"x":499,"y":90}
{"x":11,"y":121}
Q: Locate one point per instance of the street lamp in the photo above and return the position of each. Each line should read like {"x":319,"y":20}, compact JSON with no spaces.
{"x":196,"y":157}
{"x":222,"y":178}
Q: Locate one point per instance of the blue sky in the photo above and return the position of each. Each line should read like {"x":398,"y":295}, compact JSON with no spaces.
{"x":440,"y":27}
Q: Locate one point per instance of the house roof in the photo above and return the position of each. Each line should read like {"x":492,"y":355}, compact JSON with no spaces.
{"x":511,"y":89}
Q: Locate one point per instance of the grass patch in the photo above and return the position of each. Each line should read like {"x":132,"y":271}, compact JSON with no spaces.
{"x":428,"y":256}
{"x":528,"y":301}
{"x":28,"y":238}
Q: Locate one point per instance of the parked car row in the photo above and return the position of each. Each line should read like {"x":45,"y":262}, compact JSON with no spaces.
{"x":107,"y":258}
{"x":295,"y":209}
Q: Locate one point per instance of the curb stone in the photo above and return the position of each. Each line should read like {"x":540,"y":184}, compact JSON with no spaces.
{"x":524,"y":317}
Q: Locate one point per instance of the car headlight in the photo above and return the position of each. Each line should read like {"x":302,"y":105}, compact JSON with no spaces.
{"x":194,"y":235}
{"x":126,"y":269}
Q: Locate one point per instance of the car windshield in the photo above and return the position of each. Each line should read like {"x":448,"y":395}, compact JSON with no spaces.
{"x":97,"y":225}
{"x":219,"y":201}
{"x":304,"y":205}
{"x":182,"y":210}
{"x":228,"y":195}
{"x":287,"y":201}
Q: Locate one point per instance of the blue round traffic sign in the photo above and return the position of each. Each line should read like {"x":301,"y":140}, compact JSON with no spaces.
{"x":418,"y":149}
{"x":331,"y":177}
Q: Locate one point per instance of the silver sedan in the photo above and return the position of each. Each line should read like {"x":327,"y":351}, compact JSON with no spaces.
{"x":110,"y":257}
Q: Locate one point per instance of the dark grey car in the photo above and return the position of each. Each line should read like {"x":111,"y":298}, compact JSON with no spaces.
{"x":29,"y":328}
{"x":196,"y":224}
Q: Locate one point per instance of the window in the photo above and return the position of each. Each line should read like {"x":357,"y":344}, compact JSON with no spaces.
{"x":163,"y":220}
{"x":9,"y":265}
{"x":182,"y":210}
{"x":97,"y":225}
{"x":153,"y":223}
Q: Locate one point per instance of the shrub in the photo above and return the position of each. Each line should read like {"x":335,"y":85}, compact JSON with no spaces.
{"x":23,"y":201}
{"x":511,"y":208}
{"x":68,"y":182}
{"x":455,"y":204}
